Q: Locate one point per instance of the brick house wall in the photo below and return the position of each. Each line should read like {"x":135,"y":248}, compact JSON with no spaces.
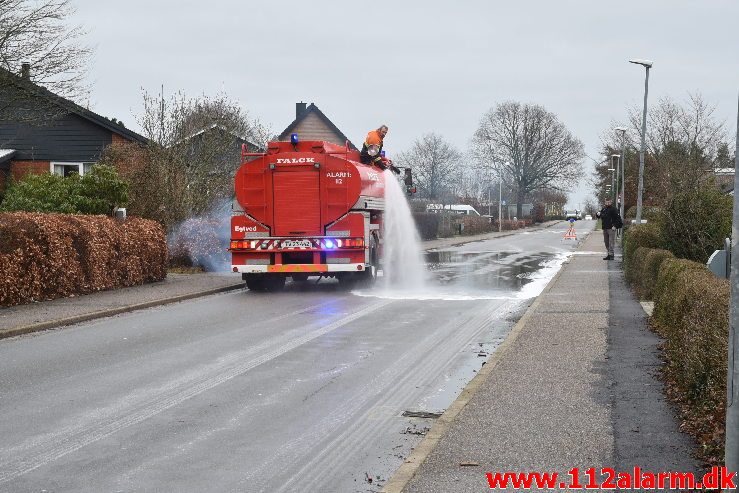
{"x":19,"y":169}
{"x":118,"y":139}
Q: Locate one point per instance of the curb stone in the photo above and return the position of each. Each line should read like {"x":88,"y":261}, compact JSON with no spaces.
{"x":50,"y":324}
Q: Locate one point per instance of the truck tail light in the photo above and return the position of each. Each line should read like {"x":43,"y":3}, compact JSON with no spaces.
{"x":353,"y":243}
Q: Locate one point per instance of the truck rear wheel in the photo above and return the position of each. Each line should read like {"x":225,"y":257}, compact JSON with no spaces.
{"x":265,"y":283}
{"x":368,"y":276}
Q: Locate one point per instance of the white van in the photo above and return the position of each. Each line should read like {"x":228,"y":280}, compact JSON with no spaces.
{"x":463,"y":209}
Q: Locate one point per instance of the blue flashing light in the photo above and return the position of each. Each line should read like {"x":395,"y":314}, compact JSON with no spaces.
{"x":329,"y":244}
{"x":382,"y":153}
{"x":294,"y":138}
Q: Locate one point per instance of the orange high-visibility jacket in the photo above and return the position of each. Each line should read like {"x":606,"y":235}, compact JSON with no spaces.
{"x":373,"y":138}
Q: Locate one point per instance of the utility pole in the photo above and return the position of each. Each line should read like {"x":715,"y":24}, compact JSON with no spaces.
{"x":732,"y":381}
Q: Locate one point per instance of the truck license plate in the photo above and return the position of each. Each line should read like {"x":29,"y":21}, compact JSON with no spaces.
{"x":296,"y":244}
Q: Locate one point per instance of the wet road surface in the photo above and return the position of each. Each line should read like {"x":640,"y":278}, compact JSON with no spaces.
{"x":303,"y":390}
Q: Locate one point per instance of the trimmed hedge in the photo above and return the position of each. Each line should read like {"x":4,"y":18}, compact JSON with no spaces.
{"x":475,"y":225}
{"x":427,"y":224}
{"x":46,"y":256}
{"x":650,"y":266}
{"x":669,"y":291}
{"x":633,"y":269}
{"x":692,"y":314}
{"x":431,"y":225}
{"x":640,"y":235}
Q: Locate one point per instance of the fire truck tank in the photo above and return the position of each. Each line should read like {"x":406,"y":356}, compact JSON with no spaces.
{"x":301,"y":189}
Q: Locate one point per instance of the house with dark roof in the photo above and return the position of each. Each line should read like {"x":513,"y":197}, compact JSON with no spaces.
{"x":312,"y":124}
{"x":43,"y":132}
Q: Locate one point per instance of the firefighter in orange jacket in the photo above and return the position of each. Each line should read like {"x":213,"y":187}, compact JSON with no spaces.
{"x":372,"y":150}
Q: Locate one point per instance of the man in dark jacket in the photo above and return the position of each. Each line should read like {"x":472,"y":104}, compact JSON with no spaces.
{"x":611,"y":221}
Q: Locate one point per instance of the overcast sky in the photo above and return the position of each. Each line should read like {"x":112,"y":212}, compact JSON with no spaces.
{"x":418,"y":66}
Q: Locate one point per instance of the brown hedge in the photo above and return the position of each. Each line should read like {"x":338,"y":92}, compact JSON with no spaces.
{"x":475,"y":225}
{"x":644,"y":270}
{"x":633,"y":268}
{"x":641,"y":235}
{"x":669,"y":291}
{"x":427,"y":224}
{"x":46,"y":256}
{"x":691,"y":312}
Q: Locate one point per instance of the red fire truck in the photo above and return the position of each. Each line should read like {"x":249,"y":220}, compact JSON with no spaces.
{"x":306,"y":209}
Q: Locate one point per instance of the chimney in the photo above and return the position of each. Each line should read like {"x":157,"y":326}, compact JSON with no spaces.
{"x":300,"y":109}
{"x":26,"y":70}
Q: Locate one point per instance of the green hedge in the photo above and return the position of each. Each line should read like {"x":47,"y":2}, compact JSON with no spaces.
{"x":99,"y":191}
{"x":696,"y":222}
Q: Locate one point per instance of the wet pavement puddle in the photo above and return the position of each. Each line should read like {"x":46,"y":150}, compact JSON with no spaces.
{"x":463,"y":275}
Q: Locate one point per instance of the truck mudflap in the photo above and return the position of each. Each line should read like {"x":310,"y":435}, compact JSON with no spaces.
{"x":298,"y":268}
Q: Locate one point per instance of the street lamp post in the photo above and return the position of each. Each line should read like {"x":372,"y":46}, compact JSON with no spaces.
{"x":610,"y":187}
{"x":623,"y":167}
{"x":615,"y":178}
{"x":732,"y":383}
{"x":647,"y":64}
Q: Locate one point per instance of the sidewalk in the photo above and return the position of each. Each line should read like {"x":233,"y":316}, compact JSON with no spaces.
{"x":22,"y":319}
{"x":33,"y":317}
{"x":572,"y":386}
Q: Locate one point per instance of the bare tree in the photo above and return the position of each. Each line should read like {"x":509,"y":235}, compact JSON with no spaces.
{"x":36,"y":32}
{"x":590,"y":207}
{"x":529,"y":147}
{"x":435,"y":164}
{"x":685,"y":142}
{"x":554,"y":201}
{"x":193,"y":155}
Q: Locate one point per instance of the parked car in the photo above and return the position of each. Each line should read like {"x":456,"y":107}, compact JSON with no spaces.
{"x":588,"y":217}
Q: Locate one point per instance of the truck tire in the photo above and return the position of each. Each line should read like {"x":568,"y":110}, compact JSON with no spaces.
{"x":263,"y":283}
{"x":369,"y":276}
{"x":254,"y":282}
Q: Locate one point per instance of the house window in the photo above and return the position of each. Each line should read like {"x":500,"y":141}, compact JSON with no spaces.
{"x":65,"y":169}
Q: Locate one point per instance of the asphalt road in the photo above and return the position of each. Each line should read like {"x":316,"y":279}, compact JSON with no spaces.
{"x":303,"y":390}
